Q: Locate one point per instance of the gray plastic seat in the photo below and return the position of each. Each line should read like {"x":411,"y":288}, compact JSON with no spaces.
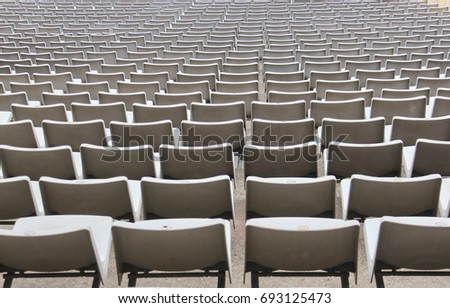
{"x":301,"y":197}
{"x":282,"y":133}
{"x":376,"y":159}
{"x":106,"y":112}
{"x":104,"y":162}
{"x":200,"y":198}
{"x":107,"y":197}
{"x":286,"y":161}
{"x":367,"y":196}
{"x":18,"y":134}
{"x":408,"y":130}
{"x":388,"y":108}
{"x":317,"y":247}
{"x":407,"y":246}
{"x":52,"y":241}
{"x":183,"y":245}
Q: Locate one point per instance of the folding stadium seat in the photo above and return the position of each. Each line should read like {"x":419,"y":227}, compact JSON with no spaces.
{"x":94,"y":64}
{"x":172,"y":69}
{"x":65,"y":98}
{"x":328,"y":76}
{"x":201,"y":69}
{"x":77,"y":71}
{"x":34,"y":163}
{"x":352,"y":131}
{"x":207,"y":62}
{"x":108,"y":197}
{"x":416,"y":244}
{"x":51,"y":241}
{"x":321,"y":67}
{"x":218,"y":112}
{"x":346,"y":110}
{"x":327,"y":85}
{"x":362,"y":75}
{"x":148,"y":55}
{"x":375,"y":159}
{"x":7,"y":99}
{"x":38,"y":113}
{"x":32,"y":90}
{"x":34,"y":56}
{"x":202,"y":198}
{"x":281,"y":97}
{"x":74,"y":134}
{"x":289,"y":111}
{"x":121,"y":52}
{"x":210,"y":55}
{"x":300,"y":247}
{"x":237,"y":87}
{"x":108,"y":56}
{"x":174,"y":112}
{"x":302,"y":197}
{"x":433,"y":83}
{"x":149,"y":133}
{"x":105,"y":162}
{"x":239,"y":77}
{"x":127,"y":98}
{"x":162,"y":78}
{"x":399,"y":65}
{"x":6,"y":79}
{"x":427,"y":157}
{"x":441,"y":64}
{"x":388,"y":108}
{"x":196,"y":162}
{"x":352,"y":66}
{"x":240,"y":68}
{"x":165,"y":99}
{"x":179,"y":61}
{"x":282,"y":133}
{"x":414,"y":74}
{"x":441,"y":106}
{"x":410,"y":129}
{"x":58,"y":80}
{"x":338,"y":95}
{"x":378,"y":51}
{"x":32,"y":69}
{"x":211,"y":78}
{"x":243,"y":61}
{"x":284,"y":161}
{"x":378,"y":85}
{"x":188,"y":87}
{"x":13,"y":63}
{"x":93,"y":88}
{"x":19,"y":134}
{"x":19,"y":200}
{"x":111,"y":78}
{"x":427,"y":56}
{"x":291,"y":76}
{"x":185,"y":240}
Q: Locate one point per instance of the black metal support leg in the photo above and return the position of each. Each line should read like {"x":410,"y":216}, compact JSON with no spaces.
{"x":132,"y":280}
{"x":8,"y":282}
{"x":221,"y":279}
{"x":379,"y":279}
{"x":344,"y":280}
{"x":96,"y":281}
{"x":255,"y":280}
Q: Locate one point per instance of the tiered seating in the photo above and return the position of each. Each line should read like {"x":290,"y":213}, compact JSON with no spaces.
{"x":155,"y":111}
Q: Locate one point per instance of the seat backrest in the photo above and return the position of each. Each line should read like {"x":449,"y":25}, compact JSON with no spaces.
{"x":202,"y":198}
{"x":104,"y":162}
{"x":218,"y":112}
{"x":105,"y":112}
{"x":286,"y":161}
{"x":289,"y":111}
{"x":74,"y":134}
{"x":33,"y":90}
{"x":431,"y":156}
{"x":441,"y":107}
{"x":302,"y":197}
{"x":39,"y":113}
{"x":322,"y":86}
{"x":377,"y":197}
{"x":390,"y":107}
{"x":18,"y":134}
{"x":433,"y":83}
{"x":280,"y":243}
{"x":93,"y":88}
{"x":363,"y":74}
{"x":348,"y":110}
{"x":352,"y":131}
{"x":65,"y":98}
{"x":194,"y":133}
{"x":282,"y":133}
{"x":17,"y":198}
{"x":186,"y":244}
{"x":338,"y":95}
{"x":135,"y":134}
{"x":108,"y":197}
{"x":175,"y":113}
{"x":408,"y":130}
{"x":55,"y":162}
{"x":376,"y":159}
{"x":409,"y":93}
{"x":127,"y":98}
{"x":378,"y":85}
{"x":196,"y":162}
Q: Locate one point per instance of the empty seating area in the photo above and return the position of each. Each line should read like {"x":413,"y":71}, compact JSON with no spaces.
{"x":177,"y":142}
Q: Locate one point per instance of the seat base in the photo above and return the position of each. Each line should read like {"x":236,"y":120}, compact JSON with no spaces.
{"x":220,"y":274}
{"x":9,"y":276}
